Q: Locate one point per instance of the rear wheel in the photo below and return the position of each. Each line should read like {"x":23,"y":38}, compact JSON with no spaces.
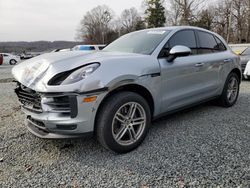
{"x":13,"y":62}
{"x":231,"y":91}
{"x":123,"y":122}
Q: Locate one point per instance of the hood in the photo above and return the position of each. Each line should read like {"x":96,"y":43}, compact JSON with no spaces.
{"x":39,"y":70}
{"x":29,"y":71}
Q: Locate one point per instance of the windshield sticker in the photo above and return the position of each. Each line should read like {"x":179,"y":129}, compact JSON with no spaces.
{"x":157,"y":32}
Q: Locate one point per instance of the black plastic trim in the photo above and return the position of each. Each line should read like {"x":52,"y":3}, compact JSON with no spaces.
{"x":73,"y":106}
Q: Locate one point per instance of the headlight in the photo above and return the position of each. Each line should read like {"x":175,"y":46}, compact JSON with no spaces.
{"x":74,"y":75}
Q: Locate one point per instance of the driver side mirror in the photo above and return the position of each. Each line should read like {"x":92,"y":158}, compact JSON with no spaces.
{"x":178,"y":51}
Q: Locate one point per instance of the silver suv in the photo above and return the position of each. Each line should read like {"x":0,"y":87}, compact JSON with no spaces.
{"x":114,"y":94}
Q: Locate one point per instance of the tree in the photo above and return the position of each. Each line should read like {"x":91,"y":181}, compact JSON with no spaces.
{"x":155,"y":13}
{"x":222,"y":18}
{"x":95,"y":25}
{"x":239,"y":13}
{"x":248,"y":22}
{"x":131,"y":20}
{"x":184,"y":11}
{"x":205,"y":19}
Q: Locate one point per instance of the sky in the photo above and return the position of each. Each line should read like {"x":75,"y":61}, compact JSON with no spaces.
{"x":35,"y":20}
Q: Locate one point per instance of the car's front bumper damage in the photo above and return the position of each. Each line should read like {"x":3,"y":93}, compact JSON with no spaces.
{"x":58,"y":115}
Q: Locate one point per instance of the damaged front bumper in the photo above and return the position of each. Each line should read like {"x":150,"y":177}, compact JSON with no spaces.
{"x":59,"y":115}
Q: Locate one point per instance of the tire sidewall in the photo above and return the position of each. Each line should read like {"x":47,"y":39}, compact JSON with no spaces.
{"x":13,"y":62}
{"x":227,"y":102}
{"x":107,"y":131}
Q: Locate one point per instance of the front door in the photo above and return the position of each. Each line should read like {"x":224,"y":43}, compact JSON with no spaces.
{"x":183,"y":80}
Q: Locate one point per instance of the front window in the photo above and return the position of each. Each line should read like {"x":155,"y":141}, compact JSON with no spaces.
{"x":140,"y":42}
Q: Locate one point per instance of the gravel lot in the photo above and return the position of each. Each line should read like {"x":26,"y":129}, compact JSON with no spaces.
{"x":206,"y":146}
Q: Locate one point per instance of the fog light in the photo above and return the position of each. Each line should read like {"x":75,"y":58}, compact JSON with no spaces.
{"x":90,"y":99}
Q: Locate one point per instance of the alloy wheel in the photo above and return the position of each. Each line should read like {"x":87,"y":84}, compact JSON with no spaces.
{"x":232,"y":90}
{"x":128,"y":123}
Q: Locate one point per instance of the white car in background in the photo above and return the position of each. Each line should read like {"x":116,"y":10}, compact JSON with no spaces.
{"x":247,"y":71}
{"x":89,"y":47}
{"x":10,"y":59}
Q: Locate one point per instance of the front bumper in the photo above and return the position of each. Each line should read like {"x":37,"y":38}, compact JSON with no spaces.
{"x":60,"y":115}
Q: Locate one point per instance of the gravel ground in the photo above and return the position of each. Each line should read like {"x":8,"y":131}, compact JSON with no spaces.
{"x":206,"y":146}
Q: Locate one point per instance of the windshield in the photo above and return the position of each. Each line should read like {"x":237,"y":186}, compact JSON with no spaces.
{"x":246,"y":52}
{"x":141,"y":42}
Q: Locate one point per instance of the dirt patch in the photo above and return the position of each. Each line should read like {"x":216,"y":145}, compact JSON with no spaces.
{"x":6,"y":80}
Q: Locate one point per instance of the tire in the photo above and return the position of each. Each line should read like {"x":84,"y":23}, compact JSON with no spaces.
{"x":13,"y":62}
{"x":225,"y":100}
{"x":112,"y":122}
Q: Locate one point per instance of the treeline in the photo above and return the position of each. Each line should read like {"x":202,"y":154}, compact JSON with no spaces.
{"x":229,"y":18}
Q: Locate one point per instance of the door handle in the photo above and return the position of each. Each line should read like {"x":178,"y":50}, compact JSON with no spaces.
{"x":228,"y":60}
{"x":199,"y":64}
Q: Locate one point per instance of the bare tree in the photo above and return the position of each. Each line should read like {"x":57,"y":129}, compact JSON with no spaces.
{"x":184,"y":11}
{"x":248,"y":22}
{"x":205,"y":19}
{"x":174,"y":13}
{"x":239,"y":13}
{"x":130,"y":19}
{"x":222,"y":14}
{"x":95,"y":25}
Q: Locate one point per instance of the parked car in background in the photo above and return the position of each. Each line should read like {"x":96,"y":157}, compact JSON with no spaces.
{"x":26,"y":56}
{"x":239,"y":48}
{"x":10,"y":58}
{"x":89,"y":47}
{"x":243,"y":50}
{"x":61,"y":50}
{"x":115,"y":93}
{"x":29,"y":55}
{"x":246,"y":72}
{"x":245,"y":58}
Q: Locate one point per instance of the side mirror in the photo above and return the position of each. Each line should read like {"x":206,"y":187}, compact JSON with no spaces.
{"x":178,"y":51}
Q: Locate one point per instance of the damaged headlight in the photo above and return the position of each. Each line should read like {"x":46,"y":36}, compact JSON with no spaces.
{"x":73,"y":76}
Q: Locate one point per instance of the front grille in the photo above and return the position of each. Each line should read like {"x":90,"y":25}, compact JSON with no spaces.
{"x":28,"y":98}
{"x":60,"y":103}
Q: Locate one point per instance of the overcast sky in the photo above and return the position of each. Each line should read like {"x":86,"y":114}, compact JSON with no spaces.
{"x":32,"y":20}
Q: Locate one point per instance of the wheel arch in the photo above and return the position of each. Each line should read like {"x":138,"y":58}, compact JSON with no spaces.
{"x":238,"y":72}
{"x":140,"y":90}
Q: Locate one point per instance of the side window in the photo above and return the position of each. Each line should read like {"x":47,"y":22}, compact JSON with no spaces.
{"x":208,"y":43}
{"x":220,"y":45}
{"x":184,"y":38}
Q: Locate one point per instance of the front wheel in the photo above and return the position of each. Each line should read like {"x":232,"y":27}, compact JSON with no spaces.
{"x":13,"y":62}
{"x":123,"y":122}
{"x":231,"y":91}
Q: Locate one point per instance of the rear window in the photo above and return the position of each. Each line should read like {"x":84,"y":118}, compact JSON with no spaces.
{"x":220,"y":45}
{"x":207,"y":43}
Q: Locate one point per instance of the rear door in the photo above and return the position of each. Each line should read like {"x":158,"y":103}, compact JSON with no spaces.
{"x":213,"y":54}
